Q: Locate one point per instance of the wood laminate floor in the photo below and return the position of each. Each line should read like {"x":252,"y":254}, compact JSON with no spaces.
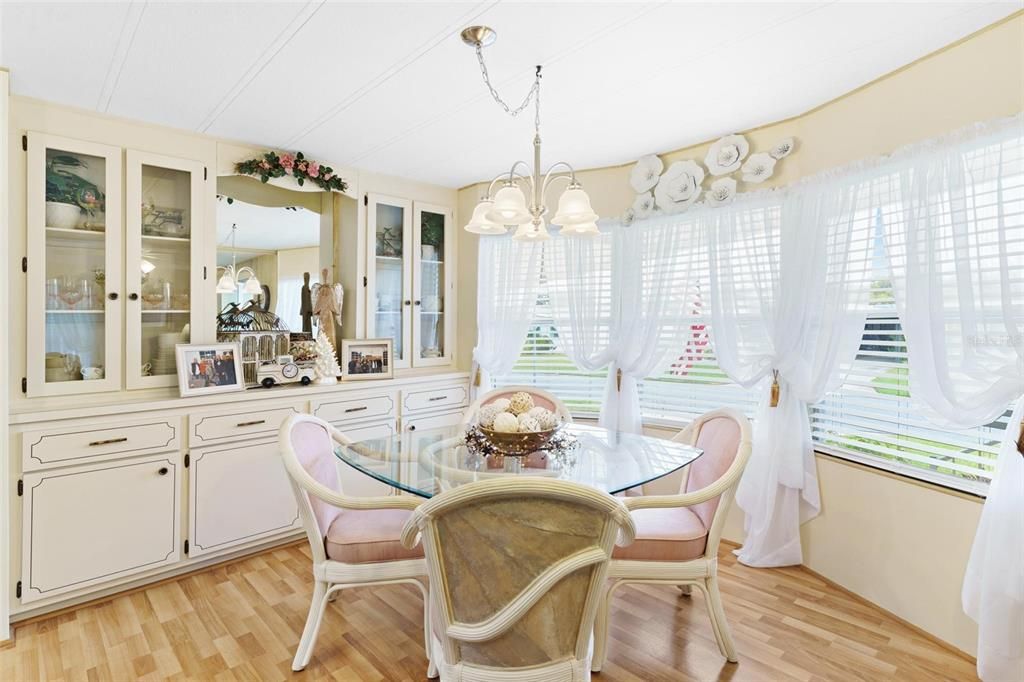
{"x":242,"y":621}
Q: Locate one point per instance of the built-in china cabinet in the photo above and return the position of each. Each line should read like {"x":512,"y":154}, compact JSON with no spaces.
{"x":409,"y":279}
{"x":79,"y":281}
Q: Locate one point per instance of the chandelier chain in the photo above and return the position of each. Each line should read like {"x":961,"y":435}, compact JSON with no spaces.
{"x":533,"y":95}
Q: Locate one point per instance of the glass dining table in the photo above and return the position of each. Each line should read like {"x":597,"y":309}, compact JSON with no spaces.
{"x":430,"y":461}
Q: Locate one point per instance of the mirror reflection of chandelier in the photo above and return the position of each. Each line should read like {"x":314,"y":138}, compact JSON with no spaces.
{"x":508,"y":207}
{"x":231,"y":279}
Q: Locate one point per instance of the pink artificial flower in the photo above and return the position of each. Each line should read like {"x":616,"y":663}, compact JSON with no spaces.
{"x":314,"y":169}
{"x":302,"y":166}
{"x":264,"y":165}
{"x":328,"y":176}
{"x":288,"y":163}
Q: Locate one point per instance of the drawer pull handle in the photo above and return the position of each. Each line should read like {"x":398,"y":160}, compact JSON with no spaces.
{"x":436,"y":398}
{"x":162,"y":471}
{"x":110,"y":441}
{"x":412,"y":427}
{"x":356,"y":409}
{"x":252,"y":423}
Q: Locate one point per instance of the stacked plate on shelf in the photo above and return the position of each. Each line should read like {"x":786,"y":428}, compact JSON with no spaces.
{"x":163,"y":360}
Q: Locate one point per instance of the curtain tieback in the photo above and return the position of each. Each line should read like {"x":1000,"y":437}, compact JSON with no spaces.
{"x":1020,"y":439}
{"x":476,"y":378}
{"x":618,"y":380}
{"x":773,"y":400}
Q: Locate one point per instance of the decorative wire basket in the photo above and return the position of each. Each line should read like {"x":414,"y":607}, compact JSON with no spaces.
{"x":520,"y":444}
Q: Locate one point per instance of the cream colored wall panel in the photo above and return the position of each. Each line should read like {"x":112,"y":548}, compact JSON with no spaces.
{"x":90,"y":525}
{"x":87,"y":443}
{"x":238,"y":494}
{"x":442,"y":397}
{"x":357,"y":408}
{"x":240,"y":423}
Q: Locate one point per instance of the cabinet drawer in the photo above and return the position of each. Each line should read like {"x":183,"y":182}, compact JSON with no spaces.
{"x":93,"y":443}
{"x":358,"y":408}
{"x":90,"y":525}
{"x":213,"y":427}
{"x":436,"y":399}
{"x":238,"y":494}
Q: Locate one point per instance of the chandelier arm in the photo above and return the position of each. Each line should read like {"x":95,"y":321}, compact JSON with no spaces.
{"x":550,"y":176}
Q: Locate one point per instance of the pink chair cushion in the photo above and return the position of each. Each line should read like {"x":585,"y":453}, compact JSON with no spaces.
{"x":364,"y":536}
{"x":719,"y":438}
{"x":538,"y":400}
{"x":672,"y":534}
{"x":314,"y":449}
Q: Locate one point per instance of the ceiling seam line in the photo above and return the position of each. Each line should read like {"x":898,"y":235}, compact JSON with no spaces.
{"x":387,"y":75}
{"x":250,"y":74}
{"x":615,"y":26}
{"x":118,"y":60}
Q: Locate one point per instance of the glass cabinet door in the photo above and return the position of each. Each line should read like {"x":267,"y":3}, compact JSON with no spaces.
{"x":433,"y":253}
{"x":389,"y":273}
{"x":74,"y":258}
{"x":163,"y":199}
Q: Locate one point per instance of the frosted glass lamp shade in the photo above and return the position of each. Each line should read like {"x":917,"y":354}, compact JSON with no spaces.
{"x":574,"y":208}
{"x":226,"y":284}
{"x":509,"y":207}
{"x":479,"y":224}
{"x":528,"y":232}
{"x":252,"y":286}
{"x":580,"y":229}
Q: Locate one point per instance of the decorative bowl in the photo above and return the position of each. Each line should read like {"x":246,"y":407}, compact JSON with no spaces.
{"x":59,"y":214}
{"x":520,"y":444}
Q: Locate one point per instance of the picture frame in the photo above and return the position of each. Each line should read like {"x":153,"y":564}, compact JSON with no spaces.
{"x":366,"y":359}
{"x":205,"y":368}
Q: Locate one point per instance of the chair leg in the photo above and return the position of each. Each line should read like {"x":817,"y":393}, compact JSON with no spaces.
{"x":309,"y":633}
{"x":428,"y":637}
{"x":718,"y":621}
{"x":601,"y":630}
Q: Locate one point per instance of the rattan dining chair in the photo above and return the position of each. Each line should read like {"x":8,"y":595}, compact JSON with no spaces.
{"x":355,"y":541}
{"x":678,"y":535}
{"x":516,"y":567}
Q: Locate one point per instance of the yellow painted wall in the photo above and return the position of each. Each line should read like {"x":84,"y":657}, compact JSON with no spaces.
{"x":899,"y":544}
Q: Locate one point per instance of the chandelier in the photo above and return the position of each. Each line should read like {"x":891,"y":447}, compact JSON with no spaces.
{"x":231,"y":279}
{"x":508,"y":207}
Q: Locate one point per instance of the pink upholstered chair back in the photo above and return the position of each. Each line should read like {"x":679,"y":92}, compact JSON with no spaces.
{"x":314,"y":448}
{"x":719,"y":438}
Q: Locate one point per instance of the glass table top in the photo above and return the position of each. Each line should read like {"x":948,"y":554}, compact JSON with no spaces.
{"x":431,"y":461}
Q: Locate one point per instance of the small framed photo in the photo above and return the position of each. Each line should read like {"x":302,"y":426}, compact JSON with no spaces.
{"x":364,"y":359}
{"x":209,"y":368}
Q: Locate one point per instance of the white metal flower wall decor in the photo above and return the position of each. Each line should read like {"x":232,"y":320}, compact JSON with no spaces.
{"x":758,"y":168}
{"x":681,"y":185}
{"x":645,"y":173}
{"x":721,"y":192}
{"x":725,"y":156}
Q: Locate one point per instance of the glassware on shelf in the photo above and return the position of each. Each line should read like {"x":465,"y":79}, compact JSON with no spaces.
{"x":71,"y":293}
{"x":166,"y":290}
{"x":152,"y":299}
{"x":53,"y":300}
{"x":180,"y":302}
{"x":88,"y":294}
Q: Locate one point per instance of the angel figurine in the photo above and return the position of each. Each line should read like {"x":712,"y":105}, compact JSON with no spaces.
{"x":328,"y":300}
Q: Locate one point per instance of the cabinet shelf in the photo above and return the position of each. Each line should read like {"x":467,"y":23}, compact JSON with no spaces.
{"x":158,"y":238}
{"x":75,"y":312}
{"x":165,"y":312}
{"x":71,"y":234}
{"x":393,"y":259}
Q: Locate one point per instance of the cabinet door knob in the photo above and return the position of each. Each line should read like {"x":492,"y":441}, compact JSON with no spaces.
{"x":133,"y":296}
{"x":112,"y":295}
{"x":162,"y":471}
{"x":412,"y":427}
{"x":415,"y":302}
{"x":407,"y":302}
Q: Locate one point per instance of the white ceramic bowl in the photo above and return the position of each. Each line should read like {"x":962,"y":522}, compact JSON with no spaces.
{"x":62,"y":215}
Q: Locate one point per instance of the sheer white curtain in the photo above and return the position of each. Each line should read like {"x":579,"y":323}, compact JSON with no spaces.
{"x":619,"y":301}
{"x":956,"y":248}
{"x":789,"y":277}
{"x":507,"y":285}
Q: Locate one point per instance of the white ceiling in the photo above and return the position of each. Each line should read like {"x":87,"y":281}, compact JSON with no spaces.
{"x":389,"y":87}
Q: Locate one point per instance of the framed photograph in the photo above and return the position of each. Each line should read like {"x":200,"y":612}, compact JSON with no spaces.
{"x":209,"y":368}
{"x":364,"y":359}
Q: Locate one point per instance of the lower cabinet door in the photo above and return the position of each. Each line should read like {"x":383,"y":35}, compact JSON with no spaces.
{"x":238,"y":494}
{"x":355,"y":482}
{"x":89,"y":525}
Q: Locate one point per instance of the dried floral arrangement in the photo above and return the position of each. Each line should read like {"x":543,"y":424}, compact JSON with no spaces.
{"x":274,"y":165}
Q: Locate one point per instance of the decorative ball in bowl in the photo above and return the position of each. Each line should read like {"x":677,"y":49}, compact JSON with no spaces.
{"x":516,"y":427}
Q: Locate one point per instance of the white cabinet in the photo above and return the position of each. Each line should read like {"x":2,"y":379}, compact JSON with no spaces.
{"x":94,"y":524}
{"x":410,"y":279}
{"x":73,"y":266}
{"x":357,"y":483}
{"x":238,"y":493}
{"x":163,"y":263}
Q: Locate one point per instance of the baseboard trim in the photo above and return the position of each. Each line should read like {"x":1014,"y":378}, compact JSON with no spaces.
{"x":938,"y":641}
